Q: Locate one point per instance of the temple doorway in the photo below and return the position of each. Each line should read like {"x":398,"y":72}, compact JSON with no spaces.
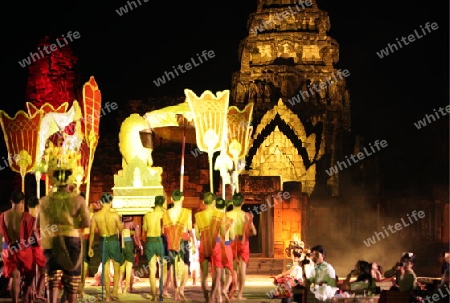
{"x":255,"y":241}
{"x":261,"y":245}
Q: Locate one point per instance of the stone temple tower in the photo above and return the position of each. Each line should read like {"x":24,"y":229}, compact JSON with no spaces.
{"x":301,"y":118}
{"x":53,"y":77}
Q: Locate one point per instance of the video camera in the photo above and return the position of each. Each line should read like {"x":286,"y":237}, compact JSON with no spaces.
{"x":306,"y":257}
{"x":297,"y":249}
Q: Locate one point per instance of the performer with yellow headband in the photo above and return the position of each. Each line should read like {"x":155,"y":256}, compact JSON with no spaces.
{"x":63,"y":248}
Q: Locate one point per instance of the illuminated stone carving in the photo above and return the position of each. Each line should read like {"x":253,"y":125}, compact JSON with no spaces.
{"x":311,"y":52}
{"x":266,"y":51}
{"x":286,"y":49}
{"x":277,"y":155}
{"x":291,"y":55}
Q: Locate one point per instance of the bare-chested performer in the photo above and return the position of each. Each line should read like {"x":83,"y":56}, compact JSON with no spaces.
{"x":208,"y":230}
{"x":227,"y":252}
{"x":86,"y":258}
{"x":108,"y":223}
{"x":130,"y":241}
{"x":38,"y":252}
{"x":154,"y":247}
{"x":177,"y":223}
{"x":167,"y":263}
{"x":68,"y":213}
{"x":16,"y":226}
{"x":243,"y":228}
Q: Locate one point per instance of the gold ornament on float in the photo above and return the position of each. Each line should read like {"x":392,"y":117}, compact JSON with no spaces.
{"x":210,"y":117}
{"x":239,"y":132}
{"x":21,"y":135}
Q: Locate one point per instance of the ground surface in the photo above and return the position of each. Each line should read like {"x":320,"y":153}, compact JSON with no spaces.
{"x":255,"y":291}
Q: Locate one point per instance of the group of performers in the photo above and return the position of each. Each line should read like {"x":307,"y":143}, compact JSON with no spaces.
{"x":223,"y":245}
{"x":50,"y":242}
{"x":54,"y":240}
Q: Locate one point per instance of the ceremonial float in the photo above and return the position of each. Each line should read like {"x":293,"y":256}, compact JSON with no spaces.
{"x":207,"y":121}
{"x":46,"y":138}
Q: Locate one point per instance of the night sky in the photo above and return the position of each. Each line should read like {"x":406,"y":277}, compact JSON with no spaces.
{"x":126,"y":53}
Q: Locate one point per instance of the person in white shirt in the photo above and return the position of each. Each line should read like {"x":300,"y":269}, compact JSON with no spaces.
{"x":323,"y":273}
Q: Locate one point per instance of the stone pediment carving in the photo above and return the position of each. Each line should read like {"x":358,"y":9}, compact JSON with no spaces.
{"x":282,"y":146}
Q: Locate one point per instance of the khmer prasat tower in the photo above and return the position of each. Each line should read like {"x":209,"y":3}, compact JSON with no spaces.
{"x":52,"y":78}
{"x":302,"y":107}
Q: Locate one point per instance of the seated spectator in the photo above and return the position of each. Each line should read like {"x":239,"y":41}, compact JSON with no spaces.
{"x":292,"y":278}
{"x":376,"y":272}
{"x":408,"y":279}
{"x":362,"y":273}
{"x":323,"y":272}
{"x":394,"y":272}
{"x":295,"y":273}
{"x":406,"y":290}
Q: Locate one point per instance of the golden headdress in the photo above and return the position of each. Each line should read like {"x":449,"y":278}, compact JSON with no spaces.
{"x":62,"y":164}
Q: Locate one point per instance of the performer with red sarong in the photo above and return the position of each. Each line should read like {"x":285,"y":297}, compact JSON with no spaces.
{"x":16,"y":226}
{"x":38,"y":252}
{"x":243,"y":228}
{"x":227,"y":252}
{"x":208,"y":230}
{"x":177,"y":224}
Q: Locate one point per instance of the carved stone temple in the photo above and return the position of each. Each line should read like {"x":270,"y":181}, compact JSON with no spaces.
{"x":302,"y":106}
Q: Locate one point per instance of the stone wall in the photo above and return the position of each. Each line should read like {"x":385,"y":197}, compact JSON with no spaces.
{"x":288,"y":217}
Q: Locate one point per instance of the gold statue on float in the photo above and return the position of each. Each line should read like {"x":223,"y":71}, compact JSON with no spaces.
{"x":138,"y":183}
